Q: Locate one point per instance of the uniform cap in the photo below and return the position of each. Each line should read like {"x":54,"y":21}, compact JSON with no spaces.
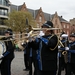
{"x":48,"y":24}
{"x":72,"y":35}
{"x":9,"y":31}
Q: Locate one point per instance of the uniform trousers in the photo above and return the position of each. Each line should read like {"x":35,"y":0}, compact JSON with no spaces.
{"x":26,"y":61}
{"x":61,"y":65}
{"x":33,"y":60}
{"x":47,"y":72}
{"x":6,"y":66}
{"x":70,"y":68}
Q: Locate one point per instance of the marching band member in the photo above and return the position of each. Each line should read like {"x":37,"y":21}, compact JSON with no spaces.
{"x":33,"y":60}
{"x":8,"y":55}
{"x":33,"y":57}
{"x":47,"y":47}
{"x":62,"y":63}
{"x":71,"y":55}
{"x":26,"y":56}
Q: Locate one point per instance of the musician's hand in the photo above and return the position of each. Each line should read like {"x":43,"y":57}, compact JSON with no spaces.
{"x":1,"y":57}
{"x":58,"y":47}
{"x":67,"y":48}
{"x":38,"y":36}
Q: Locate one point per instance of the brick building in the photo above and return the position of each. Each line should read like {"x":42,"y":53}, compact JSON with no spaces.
{"x":72,"y":25}
{"x":41,"y":17}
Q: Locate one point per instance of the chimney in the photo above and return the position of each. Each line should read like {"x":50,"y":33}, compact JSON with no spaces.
{"x":61,"y":16}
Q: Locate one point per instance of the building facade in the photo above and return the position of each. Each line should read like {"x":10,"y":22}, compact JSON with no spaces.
{"x":39,"y":16}
{"x":4,"y":10}
{"x":72,"y":26}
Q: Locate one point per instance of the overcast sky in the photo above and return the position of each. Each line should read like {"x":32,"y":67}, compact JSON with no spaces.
{"x":65,"y":8}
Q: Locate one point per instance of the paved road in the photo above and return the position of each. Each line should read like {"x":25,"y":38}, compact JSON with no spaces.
{"x":17,"y":65}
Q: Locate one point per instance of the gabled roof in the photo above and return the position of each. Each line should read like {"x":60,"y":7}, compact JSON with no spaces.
{"x":35,"y":12}
{"x":62,"y":19}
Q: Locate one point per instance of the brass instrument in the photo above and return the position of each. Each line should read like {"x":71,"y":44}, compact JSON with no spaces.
{"x":45,"y":28}
{"x":64,"y":52}
{"x":60,"y":43}
{"x":33,"y":33}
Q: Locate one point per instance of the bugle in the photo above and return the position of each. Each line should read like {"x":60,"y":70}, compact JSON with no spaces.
{"x":45,"y":28}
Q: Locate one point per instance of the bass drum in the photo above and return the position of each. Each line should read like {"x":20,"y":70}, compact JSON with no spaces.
{"x":2,"y":47}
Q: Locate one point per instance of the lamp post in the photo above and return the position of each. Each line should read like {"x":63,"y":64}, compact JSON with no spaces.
{"x":27,"y":26}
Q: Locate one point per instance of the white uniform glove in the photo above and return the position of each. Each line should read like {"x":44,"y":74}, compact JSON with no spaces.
{"x":38,"y":36}
{"x":41,"y":33}
{"x":67,"y":48}
{"x":58,"y":47}
{"x":1,"y":57}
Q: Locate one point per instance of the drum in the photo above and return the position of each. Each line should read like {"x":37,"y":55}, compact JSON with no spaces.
{"x":2,"y":47}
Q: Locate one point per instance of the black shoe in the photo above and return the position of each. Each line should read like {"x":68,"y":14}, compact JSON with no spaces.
{"x":25,"y":69}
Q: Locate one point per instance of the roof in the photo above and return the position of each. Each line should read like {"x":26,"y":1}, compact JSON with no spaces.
{"x":34,"y":13}
{"x":62,"y":19}
{"x":13,"y":7}
{"x":47,"y":16}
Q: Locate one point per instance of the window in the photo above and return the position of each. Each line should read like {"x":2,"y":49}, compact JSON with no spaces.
{"x":67,"y":32}
{"x":67,"y":26}
{"x":1,"y":2}
{"x":56,"y":21}
{"x":0,"y":11}
{"x":5,"y":12}
{"x":64,"y":26}
{"x":40,"y":19}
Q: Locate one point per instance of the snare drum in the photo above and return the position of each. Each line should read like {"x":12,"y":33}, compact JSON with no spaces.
{"x":2,"y":47}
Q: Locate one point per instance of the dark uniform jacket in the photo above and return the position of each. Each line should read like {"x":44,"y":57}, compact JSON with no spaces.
{"x":47,"y":52}
{"x":72,"y":52}
{"x":9,"y":53}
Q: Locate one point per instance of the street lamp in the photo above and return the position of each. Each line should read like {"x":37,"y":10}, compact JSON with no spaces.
{"x":27,"y":26}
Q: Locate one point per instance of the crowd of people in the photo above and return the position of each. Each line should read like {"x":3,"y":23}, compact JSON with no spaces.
{"x":43,"y":51}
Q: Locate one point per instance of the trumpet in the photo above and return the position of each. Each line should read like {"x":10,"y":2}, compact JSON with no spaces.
{"x":60,"y":43}
{"x":38,"y":29}
{"x":64,"y":52}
